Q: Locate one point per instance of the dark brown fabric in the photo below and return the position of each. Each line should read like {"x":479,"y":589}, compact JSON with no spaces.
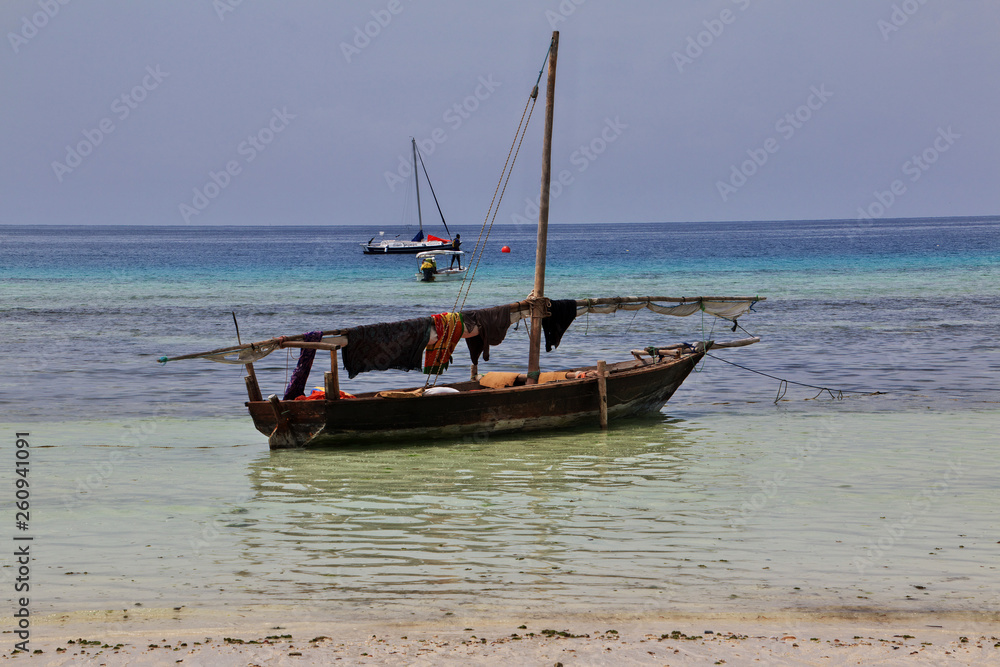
{"x":379,"y":347}
{"x":562,"y":312}
{"x":493,"y":324}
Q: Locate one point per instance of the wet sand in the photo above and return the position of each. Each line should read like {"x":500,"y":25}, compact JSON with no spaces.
{"x":261,"y":637}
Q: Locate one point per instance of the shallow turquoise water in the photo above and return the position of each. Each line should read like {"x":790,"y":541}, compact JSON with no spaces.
{"x":150,"y":486}
{"x":729,"y":512}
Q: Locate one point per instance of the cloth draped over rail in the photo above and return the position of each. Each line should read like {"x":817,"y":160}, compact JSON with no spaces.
{"x":492,"y":323}
{"x":399,"y":345}
{"x":562,"y":312}
{"x":297,"y":384}
{"x":379,"y":347}
{"x":449,"y":328}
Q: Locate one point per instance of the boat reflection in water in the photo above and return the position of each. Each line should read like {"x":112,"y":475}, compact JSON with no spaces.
{"x":520,"y":519}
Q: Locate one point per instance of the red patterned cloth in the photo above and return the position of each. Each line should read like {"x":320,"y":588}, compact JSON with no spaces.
{"x":449,"y":328}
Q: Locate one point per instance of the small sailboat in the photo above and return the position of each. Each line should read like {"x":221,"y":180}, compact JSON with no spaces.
{"x":419,"y":243}
{"x":495,"y":402}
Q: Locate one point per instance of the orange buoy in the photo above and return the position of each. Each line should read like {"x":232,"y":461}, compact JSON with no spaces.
{"x":506,"y":248}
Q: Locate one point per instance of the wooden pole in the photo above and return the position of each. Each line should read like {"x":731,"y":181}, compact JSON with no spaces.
{"x":312,"y":346}
{"x":602,"y":392}
{"x":331,"y":382}
{"x":535,"y":337}
{"x":253,"y":389}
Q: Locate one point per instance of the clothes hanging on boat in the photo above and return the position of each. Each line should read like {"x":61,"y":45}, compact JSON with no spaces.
{"x":562,"y":312}
{"x":499,"y":380}
{"x":297,"y":384}
{"x":493,"y":324}
{"x":449,"y":328}
{"x":379,"y":347}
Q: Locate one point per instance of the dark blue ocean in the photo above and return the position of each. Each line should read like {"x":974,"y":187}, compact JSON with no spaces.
{"x":152,"y":483}
{"x":899,"y":306}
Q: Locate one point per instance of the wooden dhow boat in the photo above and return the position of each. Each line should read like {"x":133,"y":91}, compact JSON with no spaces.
{"x":484,"y":404}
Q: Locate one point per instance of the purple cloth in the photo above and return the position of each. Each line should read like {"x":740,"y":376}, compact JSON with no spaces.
{"x":297,"y":385}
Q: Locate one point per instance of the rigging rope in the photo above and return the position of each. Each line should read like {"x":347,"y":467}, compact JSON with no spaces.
{"x":783,"y":384}
{"x":484,"y":232}
{"x":496,"y":210}
{"x":704,"y":339}
{"x":480,"y":248}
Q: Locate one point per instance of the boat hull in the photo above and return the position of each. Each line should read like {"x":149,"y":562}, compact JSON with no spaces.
{"x":444,"y":275}
{"x":403,"y":247}
{"x":633,"y":388}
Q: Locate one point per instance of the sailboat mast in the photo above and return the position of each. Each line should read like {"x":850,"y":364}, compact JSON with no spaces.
{"x":416,"y":181}
{"x":535,"y":336}
{"x":433,"y":194}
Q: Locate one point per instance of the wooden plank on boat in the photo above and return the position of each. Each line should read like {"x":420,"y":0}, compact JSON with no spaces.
{"x":253,"y":389}
{"x":312,"y":346}
{"x":282,"y":437}
{"x":602,"y":392}
{"x":677,"y":349}
{"x":743,"y":342}
{"x":331,"y":386}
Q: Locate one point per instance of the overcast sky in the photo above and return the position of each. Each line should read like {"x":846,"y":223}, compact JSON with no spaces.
{"x":122,"y":112}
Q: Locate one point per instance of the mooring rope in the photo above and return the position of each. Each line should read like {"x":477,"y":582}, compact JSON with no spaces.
{"x":783,"y":384}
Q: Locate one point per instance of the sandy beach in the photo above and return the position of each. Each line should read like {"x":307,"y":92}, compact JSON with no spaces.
{"x":247,"y":637}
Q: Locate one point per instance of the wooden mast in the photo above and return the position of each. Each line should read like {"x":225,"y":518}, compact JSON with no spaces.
{"x":535,"y":338}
